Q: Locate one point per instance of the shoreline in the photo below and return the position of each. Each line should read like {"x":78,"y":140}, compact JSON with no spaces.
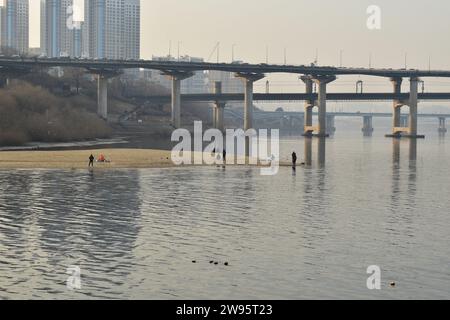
{"x":79,"y":159}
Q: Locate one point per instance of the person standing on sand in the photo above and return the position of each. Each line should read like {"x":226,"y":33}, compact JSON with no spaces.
{"x":224,"y":156}
{"x":294,"y":160}
{"x":91,"y":161}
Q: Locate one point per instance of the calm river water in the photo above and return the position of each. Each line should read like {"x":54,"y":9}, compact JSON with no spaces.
{"x":135,"y":233}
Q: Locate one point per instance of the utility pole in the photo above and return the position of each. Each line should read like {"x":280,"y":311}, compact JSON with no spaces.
{"x":218,"y":52}
{"x":232,"y":52}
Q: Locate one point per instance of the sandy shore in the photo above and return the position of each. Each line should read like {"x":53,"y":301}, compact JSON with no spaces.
{"x":78,"y":159}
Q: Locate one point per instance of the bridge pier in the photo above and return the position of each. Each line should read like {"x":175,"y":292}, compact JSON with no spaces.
{"x":102,"y":97}
{"x":103,"y":77}
{"x":413,"y":107}
{"x":322,"y":82}
{"x":397,"y":83}
{"x":219,"y":109}
{"x":309,"y":105}
{"x":176,"y":77}
{"x":406,"y":129}
{"x":214,"y":117}
{"x":367,"y":128}
{"x":249,"y":79}
{"x":321,"y":151}
{"x":176,"y":102}
{"x":442,"y":126}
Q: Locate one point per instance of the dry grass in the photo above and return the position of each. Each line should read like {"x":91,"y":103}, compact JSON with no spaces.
{"x":31,"y":113}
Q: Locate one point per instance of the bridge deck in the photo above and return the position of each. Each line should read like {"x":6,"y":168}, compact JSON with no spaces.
{"x":177,"y":66}
{"x":207,"y":97}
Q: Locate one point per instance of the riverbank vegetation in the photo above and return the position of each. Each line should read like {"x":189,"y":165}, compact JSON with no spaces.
{"x":31,"y":113}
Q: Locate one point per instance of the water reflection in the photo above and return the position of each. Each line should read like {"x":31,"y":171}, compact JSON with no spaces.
{"x":321,"y":151}
{"x":404,"y":189}
{"x":134,"y":233}
{"x":69,"y":218}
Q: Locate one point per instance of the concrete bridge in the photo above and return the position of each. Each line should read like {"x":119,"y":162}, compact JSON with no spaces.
{"x":293,"y":97}
{"x":367,"y":118}
{"x":250,"y":73}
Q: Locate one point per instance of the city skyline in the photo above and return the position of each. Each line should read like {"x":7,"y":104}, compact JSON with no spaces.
{"x":257,"y":40}
{"x":250,"y":28}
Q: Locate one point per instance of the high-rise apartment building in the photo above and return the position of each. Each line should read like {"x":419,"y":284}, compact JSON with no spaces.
{"x":15,"y":26}
{"x":60,"y":33}
{"x":113,"y":28}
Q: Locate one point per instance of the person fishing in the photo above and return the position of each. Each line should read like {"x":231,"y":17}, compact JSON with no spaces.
{"x":294,"y":160}
{"x":91,"y":161}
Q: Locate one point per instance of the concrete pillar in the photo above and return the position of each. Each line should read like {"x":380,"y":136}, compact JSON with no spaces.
{"x":176,"y":102}
{"x":322,"y":104}
{"x":248,"y":112}
{"x":412,"y":149}
{"x":396,"y":151}
{"x":322,"y":82}
{"x":321,"y":150}
{"x":308,"y":151}
{"x":214,"y":117}
{"x":309,"y":105}
{"x":397,"y":84}
{"x":367,"y":126}
{"x":248,"y":105}
{"x":442,"y":125}
{"x":331,"y":128}
{"x":102,"y":95}
{"x":249,"y":79}
{"x":176,"y":77}
{"x":413,"y":106}
{"x":220,"y":112}
{"x":219,"y":108}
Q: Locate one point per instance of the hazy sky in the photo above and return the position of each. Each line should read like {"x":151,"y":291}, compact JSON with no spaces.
{"x":420,"y":28}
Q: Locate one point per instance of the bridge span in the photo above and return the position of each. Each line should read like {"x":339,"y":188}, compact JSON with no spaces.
{"x":293,"y":97}
{"x":250,"y":73}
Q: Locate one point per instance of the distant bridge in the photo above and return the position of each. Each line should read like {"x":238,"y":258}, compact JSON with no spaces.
{"x":263,"y":114}
{"x":273,"y":97}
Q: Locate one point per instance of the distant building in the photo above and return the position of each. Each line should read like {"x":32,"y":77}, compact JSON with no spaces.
{"x":61,"y":35}
{"x":34,"y":52}
{"x":113,"y":28}
{"x":230,"y":84}
{"x":77,"y":41}
{"x":15,"y":26}
{"x":198,"y":83}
